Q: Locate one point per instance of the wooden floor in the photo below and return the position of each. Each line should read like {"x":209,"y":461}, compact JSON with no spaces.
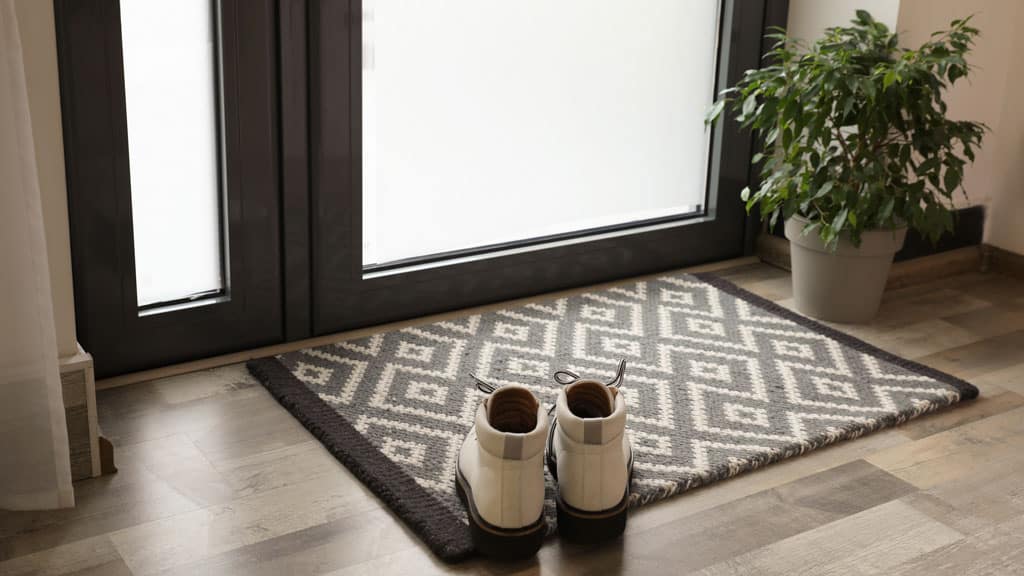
{"x":216,"y":478}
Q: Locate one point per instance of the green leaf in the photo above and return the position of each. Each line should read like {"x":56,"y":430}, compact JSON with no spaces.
{"x":840,"y":220}
{"x":824,"y":189}
{"x":714,"y":112}
{"x":791,"y":110}
{"x":951,"y":179}
{"x":886,"y":210}
{"x":868,"y":87}
{"x":749,"y":104}
{"x":889,"y":79}
{"x":928,"y":165}
{"x":811,"y":227}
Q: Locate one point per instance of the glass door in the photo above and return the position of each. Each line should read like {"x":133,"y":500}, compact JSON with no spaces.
{"x":246,"y":172}
{"x":530,"y":120}
{"x":475,"y":150}
{"x":172,"y":60}
{"x":172,"y":160}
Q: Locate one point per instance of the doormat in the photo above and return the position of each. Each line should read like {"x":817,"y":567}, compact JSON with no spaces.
{"x":719,"y":381}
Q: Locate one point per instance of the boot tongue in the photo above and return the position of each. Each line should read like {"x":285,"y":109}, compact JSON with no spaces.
{"x":512,"y":409}
{"x":590,"y":399}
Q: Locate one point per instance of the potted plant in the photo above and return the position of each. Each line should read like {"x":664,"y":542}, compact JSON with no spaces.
{"x":858,"y":147}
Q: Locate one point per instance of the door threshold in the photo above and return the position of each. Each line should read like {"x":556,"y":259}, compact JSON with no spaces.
{"x":284,"y":347}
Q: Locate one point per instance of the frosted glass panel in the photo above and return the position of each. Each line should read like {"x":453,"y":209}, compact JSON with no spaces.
{"x":489,"y":121}
{"x":170,"y":96}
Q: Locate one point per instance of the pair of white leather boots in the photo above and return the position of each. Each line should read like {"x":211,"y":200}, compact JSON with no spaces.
{"x":500,"y":472}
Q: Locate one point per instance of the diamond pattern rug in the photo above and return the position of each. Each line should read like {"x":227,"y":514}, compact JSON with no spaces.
{"x":719,"y":382}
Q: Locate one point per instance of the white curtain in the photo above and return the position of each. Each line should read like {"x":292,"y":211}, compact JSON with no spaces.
{"x":34,"y":462}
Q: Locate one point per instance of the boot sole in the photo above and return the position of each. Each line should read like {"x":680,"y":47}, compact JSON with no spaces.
{"x":496,"y":542}
{"x":583,"y":526}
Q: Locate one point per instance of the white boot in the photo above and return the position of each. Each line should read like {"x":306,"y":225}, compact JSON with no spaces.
{"x":500,"y":473}
{"x":590,"y":457}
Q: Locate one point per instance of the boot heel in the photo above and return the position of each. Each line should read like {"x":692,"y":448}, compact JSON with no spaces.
{"x":591,"y":527}
{"x":501,"y":543}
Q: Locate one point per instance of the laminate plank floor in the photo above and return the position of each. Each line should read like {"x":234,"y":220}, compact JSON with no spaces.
{"x":216,"y":478}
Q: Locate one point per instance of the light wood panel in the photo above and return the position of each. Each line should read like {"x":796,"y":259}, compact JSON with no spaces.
{"x":870,"y":542}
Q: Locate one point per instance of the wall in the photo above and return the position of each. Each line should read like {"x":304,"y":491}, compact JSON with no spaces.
{"x":992,"y":95}
{"x":809,"y":18}
{"x":1005,"y":227}
{"x":35,"y":23}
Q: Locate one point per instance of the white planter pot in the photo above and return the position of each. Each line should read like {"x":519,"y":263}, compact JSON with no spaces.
{"x":845,"y":285}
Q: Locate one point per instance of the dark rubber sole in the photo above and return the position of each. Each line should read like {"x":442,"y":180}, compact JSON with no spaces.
{"x":495,"y":542}
{"x":583,"y":527}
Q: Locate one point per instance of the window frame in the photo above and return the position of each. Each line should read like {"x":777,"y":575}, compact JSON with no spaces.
{"x":121,"y":336}
{"x":292,"y":207}
{"x":348,"y":295}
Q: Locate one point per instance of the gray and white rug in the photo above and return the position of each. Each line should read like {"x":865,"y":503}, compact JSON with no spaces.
{"x":719,"y":381}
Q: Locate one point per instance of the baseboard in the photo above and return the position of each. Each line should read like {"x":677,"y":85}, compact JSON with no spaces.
{"x":79,"y":390}
{"x":775,"y":251}
{"x":970,"y":224}
{"x":934,"y":267}
{"x":1002,"y":261}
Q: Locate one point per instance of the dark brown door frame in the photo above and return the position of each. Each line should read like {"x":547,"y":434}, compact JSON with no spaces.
{"x":110,"y":325}
{"x":293,"y":195}
{"x":295,"y":169}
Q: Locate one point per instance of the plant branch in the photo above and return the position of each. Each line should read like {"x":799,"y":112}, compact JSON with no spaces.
{"x":837,"y":133}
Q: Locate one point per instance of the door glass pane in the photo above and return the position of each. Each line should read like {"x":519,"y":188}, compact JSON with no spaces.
{"x":490,"y":121}
{"x":171,"y":98}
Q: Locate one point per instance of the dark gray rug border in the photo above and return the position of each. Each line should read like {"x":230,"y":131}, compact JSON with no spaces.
{"x":446,"y":535}
{"x":966,"y":389}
